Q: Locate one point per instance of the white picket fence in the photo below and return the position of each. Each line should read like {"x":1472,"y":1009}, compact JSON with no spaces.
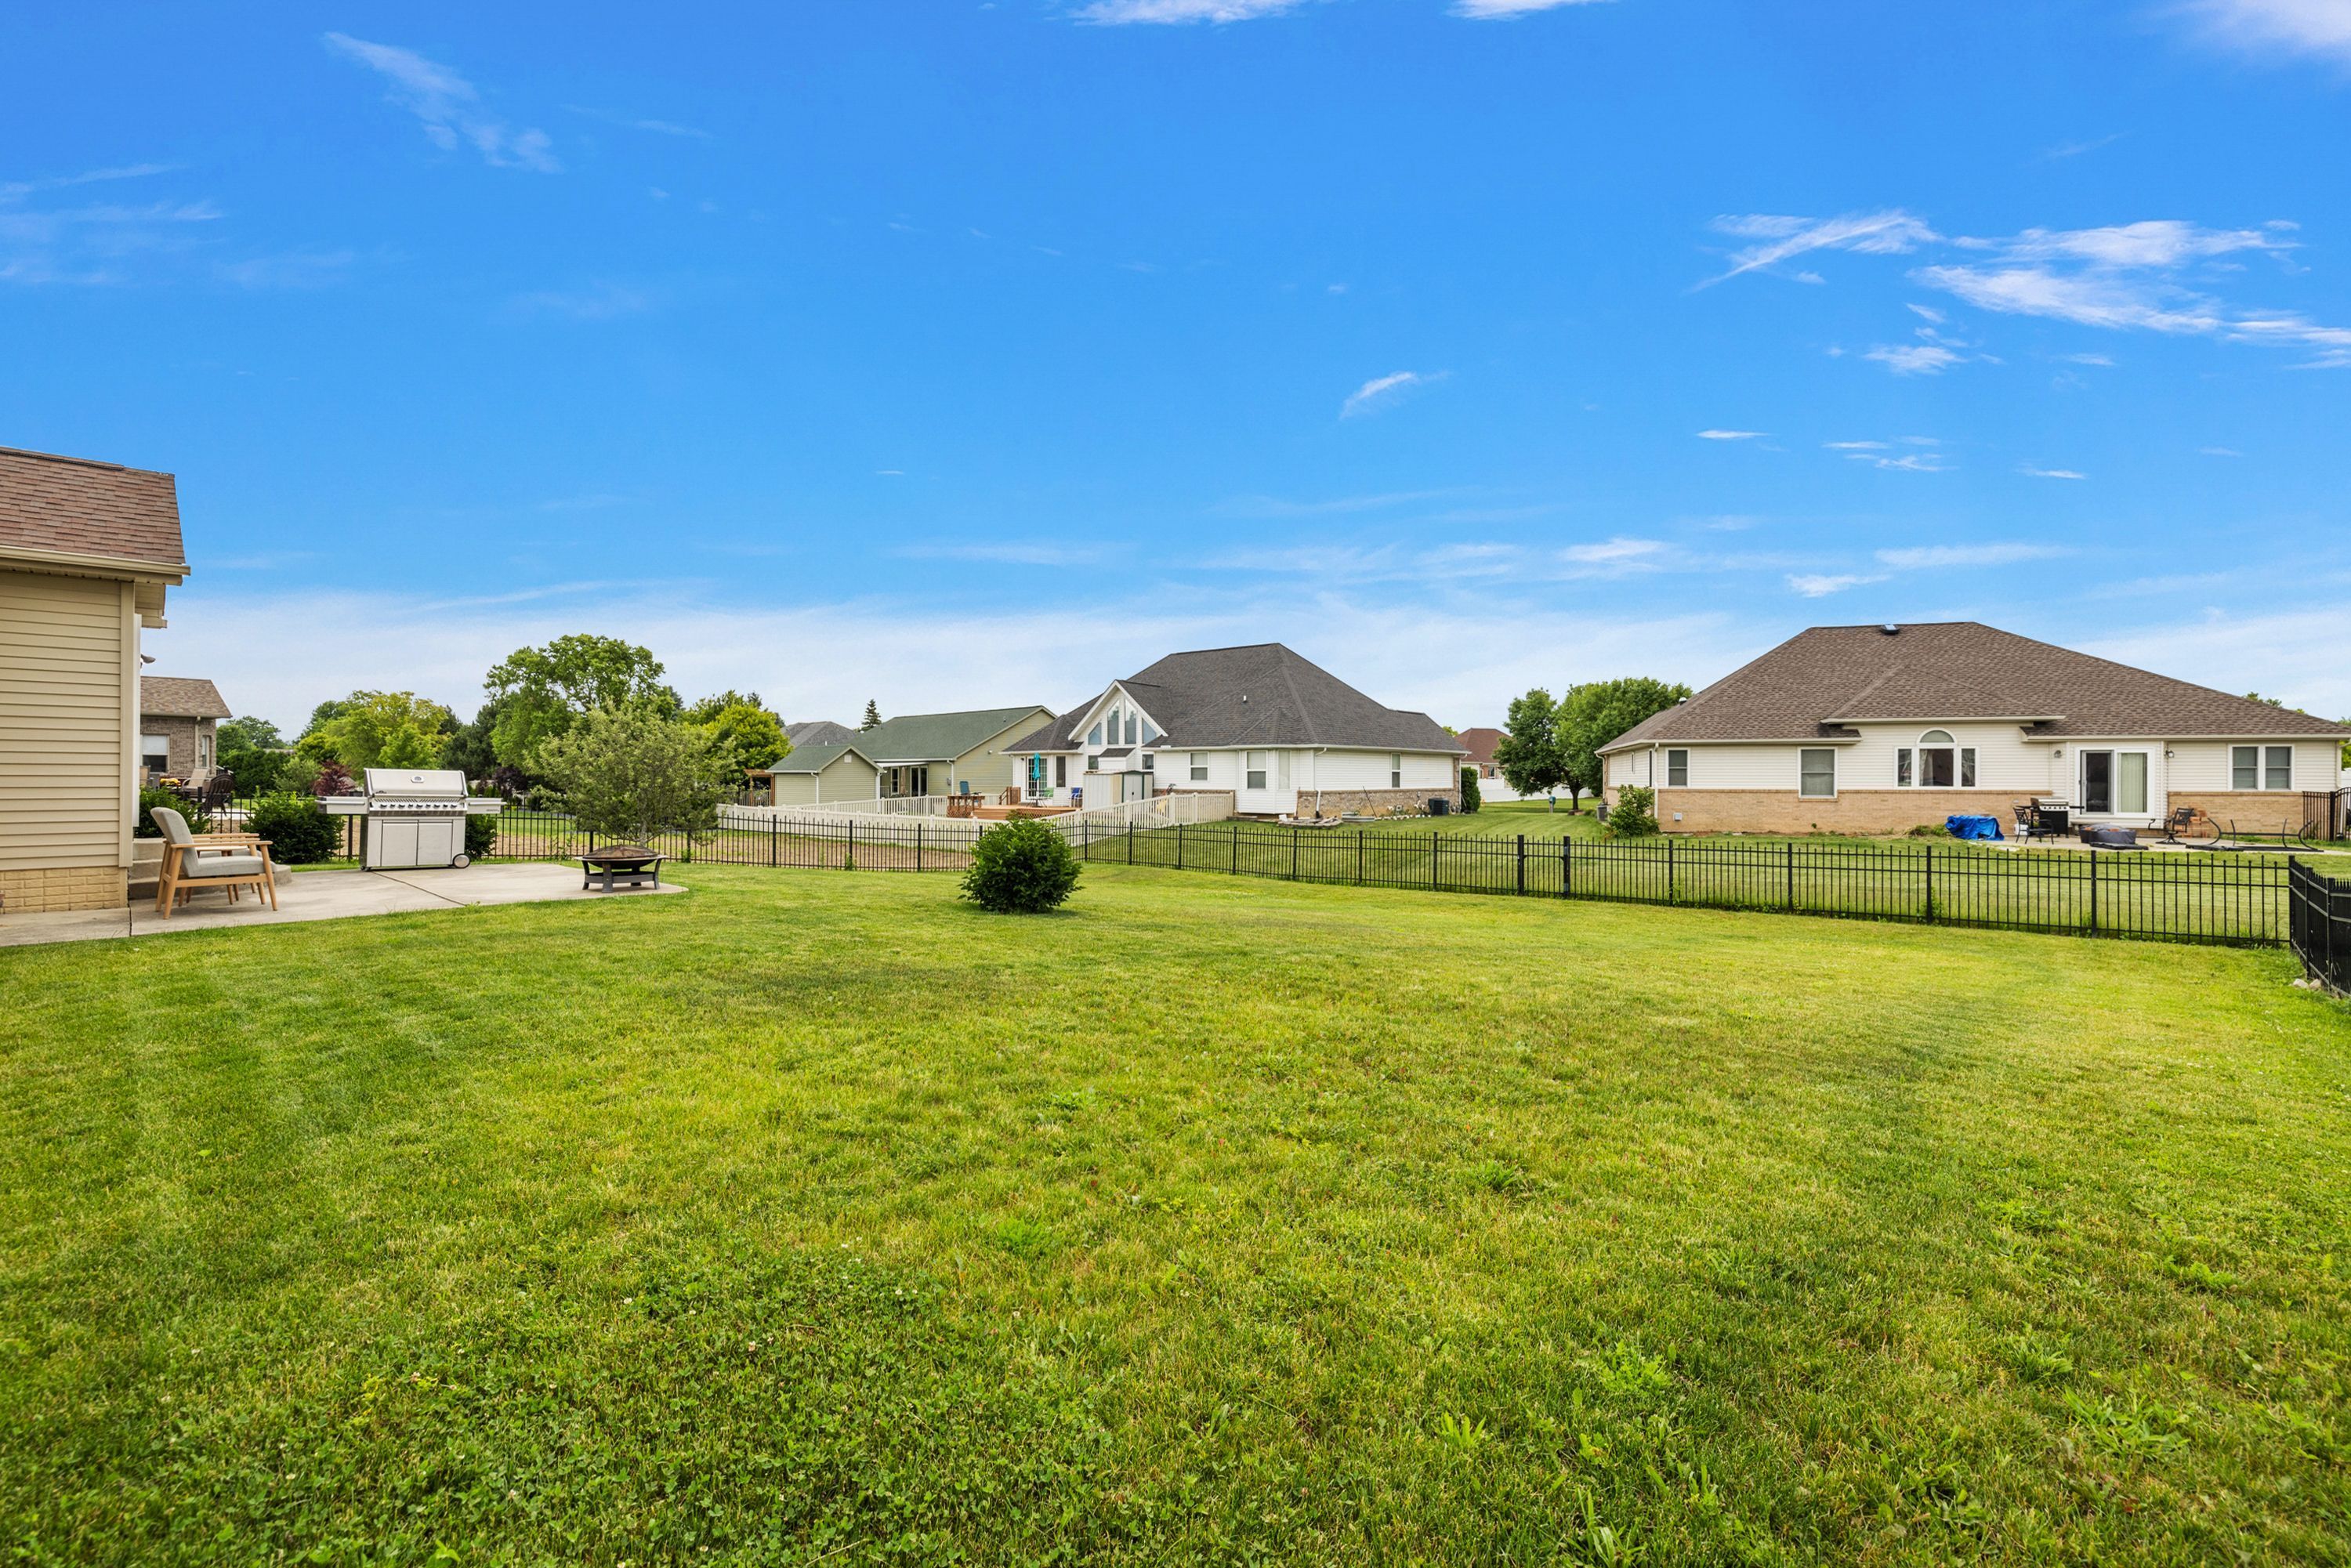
{"x":951,"y":832}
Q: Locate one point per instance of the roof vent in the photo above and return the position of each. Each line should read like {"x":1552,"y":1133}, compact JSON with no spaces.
{"x":1891,"y":630}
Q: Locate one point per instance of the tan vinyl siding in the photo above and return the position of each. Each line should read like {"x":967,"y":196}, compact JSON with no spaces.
{"x":66,"y":647}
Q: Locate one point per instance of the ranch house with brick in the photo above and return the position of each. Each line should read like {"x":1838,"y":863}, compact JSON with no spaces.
{"x":1878,"y":729}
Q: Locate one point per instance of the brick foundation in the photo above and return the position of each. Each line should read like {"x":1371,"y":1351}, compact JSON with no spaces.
{"x":63,"y":887}
{"x":1374,"y":803}
{"x":1860,"y":811}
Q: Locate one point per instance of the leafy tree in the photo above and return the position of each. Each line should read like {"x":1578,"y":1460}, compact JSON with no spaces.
{"x":1593,"y":715}
{"x":1022,"y":867}
{"x":333,"y":779}
{"x":388,"y":729}
{"x":748,"y":735}
{"x":872,"y":718}
{"x":1470,"y":798}
{"x":469,"y":750}
{"x":1527,"y":757}
{"x":635,"y":772}
{"x":252,"y":752}
{"x":549,"y":689}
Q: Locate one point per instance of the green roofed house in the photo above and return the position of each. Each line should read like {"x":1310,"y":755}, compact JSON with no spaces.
{"x":949,"y":753}
{"x":916,"y":754}
{"x":813,"y":774}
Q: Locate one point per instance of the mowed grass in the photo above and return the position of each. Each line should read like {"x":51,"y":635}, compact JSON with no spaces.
{"x":812,"y":1217}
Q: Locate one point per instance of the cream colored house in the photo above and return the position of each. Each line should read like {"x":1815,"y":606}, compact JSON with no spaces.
{"x":814,"y":774}
{"x":87,"y":551}
{"x":1878,"y":729}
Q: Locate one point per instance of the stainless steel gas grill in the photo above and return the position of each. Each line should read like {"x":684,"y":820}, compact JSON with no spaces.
{"x":414,"y":817}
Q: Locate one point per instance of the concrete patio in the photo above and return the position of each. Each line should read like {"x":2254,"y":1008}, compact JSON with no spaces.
{"x":319,"y":895}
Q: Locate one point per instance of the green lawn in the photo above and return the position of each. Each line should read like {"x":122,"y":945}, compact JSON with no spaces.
{"x":812,"y":1217}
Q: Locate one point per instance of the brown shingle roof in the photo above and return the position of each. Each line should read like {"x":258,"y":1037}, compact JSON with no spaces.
{"x":1479,"y":742}
{"x":76,"y":505}
{"x":1954,"y":669}
{"x":176,"y":696}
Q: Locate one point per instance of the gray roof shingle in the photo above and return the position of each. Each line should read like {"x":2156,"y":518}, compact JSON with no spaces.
{"x":178,"y":696}
{"x":819,"y":732}
{"x":1260,"y":695}
{"x":1819,"y":681}
{"x":78,"y":505}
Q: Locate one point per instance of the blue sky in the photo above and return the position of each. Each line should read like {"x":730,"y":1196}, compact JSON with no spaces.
{"x":968,"y":354}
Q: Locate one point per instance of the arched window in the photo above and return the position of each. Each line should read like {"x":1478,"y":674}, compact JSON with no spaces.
{"x":1943,"y":763}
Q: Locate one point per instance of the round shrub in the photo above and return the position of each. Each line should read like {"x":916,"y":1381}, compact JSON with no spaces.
{"x":1470,"y":797}
{"x":1020,"y":868}
{"x":150,"y":796}
{"x":298,"y":833}
{"x":481,"y":836}
{"x":1635,"y":816}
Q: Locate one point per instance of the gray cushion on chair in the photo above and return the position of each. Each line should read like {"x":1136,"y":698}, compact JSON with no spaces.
{"x":174,"y":826}
{"x":198,"y":867}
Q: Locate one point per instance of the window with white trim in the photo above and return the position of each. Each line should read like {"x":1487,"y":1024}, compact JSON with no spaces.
{"x":155,"y":753}
{"x":1149,"y":759}
{"x":1678,"y":768}
{"x":1093,"y":764}
{"x":1395,"y":771}
{"x":1902,"y":775}
{"x":1199,"y":768}
{"x":1939,"y":761}
{"x":1093,"y":735}
{"x":1061,"y":773}
{"x":1816,"y":772}
{"x":1257,"y":762}
{"x":2277,"y":768}
{"x":1129,"y":726}
{"x":1966,"y":767}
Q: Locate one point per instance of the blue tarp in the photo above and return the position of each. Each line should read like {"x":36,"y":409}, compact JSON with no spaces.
{"x":1973,"y":827}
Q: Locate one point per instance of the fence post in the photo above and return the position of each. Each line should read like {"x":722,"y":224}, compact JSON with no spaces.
{"x":1358,"y":857}
{"x":1523,"y":864}
{"x":1930,"y":884}
{"x":1179,"y":846}
{"x":1669,"y":869}
{"x":1433,"y":839}
{"x":1130,"y":840}
{"x":1791,"y":875}
{"x":775,"y":842}
{"x":1566,"y":866}
{"x":2094,"y":891}
{"x":849,"y":861}
{"x":918,"y":843}
{"x":1085,"y":838}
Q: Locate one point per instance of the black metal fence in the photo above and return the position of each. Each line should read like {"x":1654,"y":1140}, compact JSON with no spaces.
{"x":2319,"y":926}
{"x":2231,"y":899}
{"x":2246,"y":900}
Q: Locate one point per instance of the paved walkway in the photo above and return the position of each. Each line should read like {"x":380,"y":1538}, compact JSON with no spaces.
{"x":319,"y":896}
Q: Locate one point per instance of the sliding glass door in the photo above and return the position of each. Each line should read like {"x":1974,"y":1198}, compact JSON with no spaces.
{"x":2114,"y":783}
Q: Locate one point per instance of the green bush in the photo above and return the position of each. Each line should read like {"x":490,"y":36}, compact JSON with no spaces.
{"x":1470,"y":798}
{"x":299,"y":833}
{"x":1636,"y":815}
{"x":1020,"y":868}
{"x":151,"y":796}
{"x":481,"y":836}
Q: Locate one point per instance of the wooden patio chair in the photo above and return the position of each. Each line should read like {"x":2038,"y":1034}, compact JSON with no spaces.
{"x":193,"y":861}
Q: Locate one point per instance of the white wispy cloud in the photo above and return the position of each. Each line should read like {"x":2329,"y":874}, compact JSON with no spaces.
{"x":1927,"y":558}
{"x":1781,"y":238}
{"x":2153,"y":276}
{"x":1120,"y":13}
{"x":448,"y":106}
{"x":1907,"y":462}
{"x":596,"y":302}
{"x":1501,"y":10}
{"x":1282,"y":506}
{"x":86,"y":241}
{"x":1854,"y":446}
{"x":631,"y":122}
{"x":1915,"y":359}
{"x":289,"y":270}
{"x":1820,"y":585}
{"x":2272,"y":26}
{"x":2030,"y":472}
{"x":1730,"y":434}
{"x":2220,"y":452}
{"x":1381,"y":391}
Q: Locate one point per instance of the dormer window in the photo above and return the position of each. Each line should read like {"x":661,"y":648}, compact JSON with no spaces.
{"x":1093,"y":735}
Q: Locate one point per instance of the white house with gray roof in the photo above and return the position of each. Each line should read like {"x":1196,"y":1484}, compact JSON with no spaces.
{"x":1284,"y":735}
{"x":1877,"y":729}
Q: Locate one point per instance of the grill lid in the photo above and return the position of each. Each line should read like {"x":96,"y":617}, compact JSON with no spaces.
{"x":416,"y":784}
